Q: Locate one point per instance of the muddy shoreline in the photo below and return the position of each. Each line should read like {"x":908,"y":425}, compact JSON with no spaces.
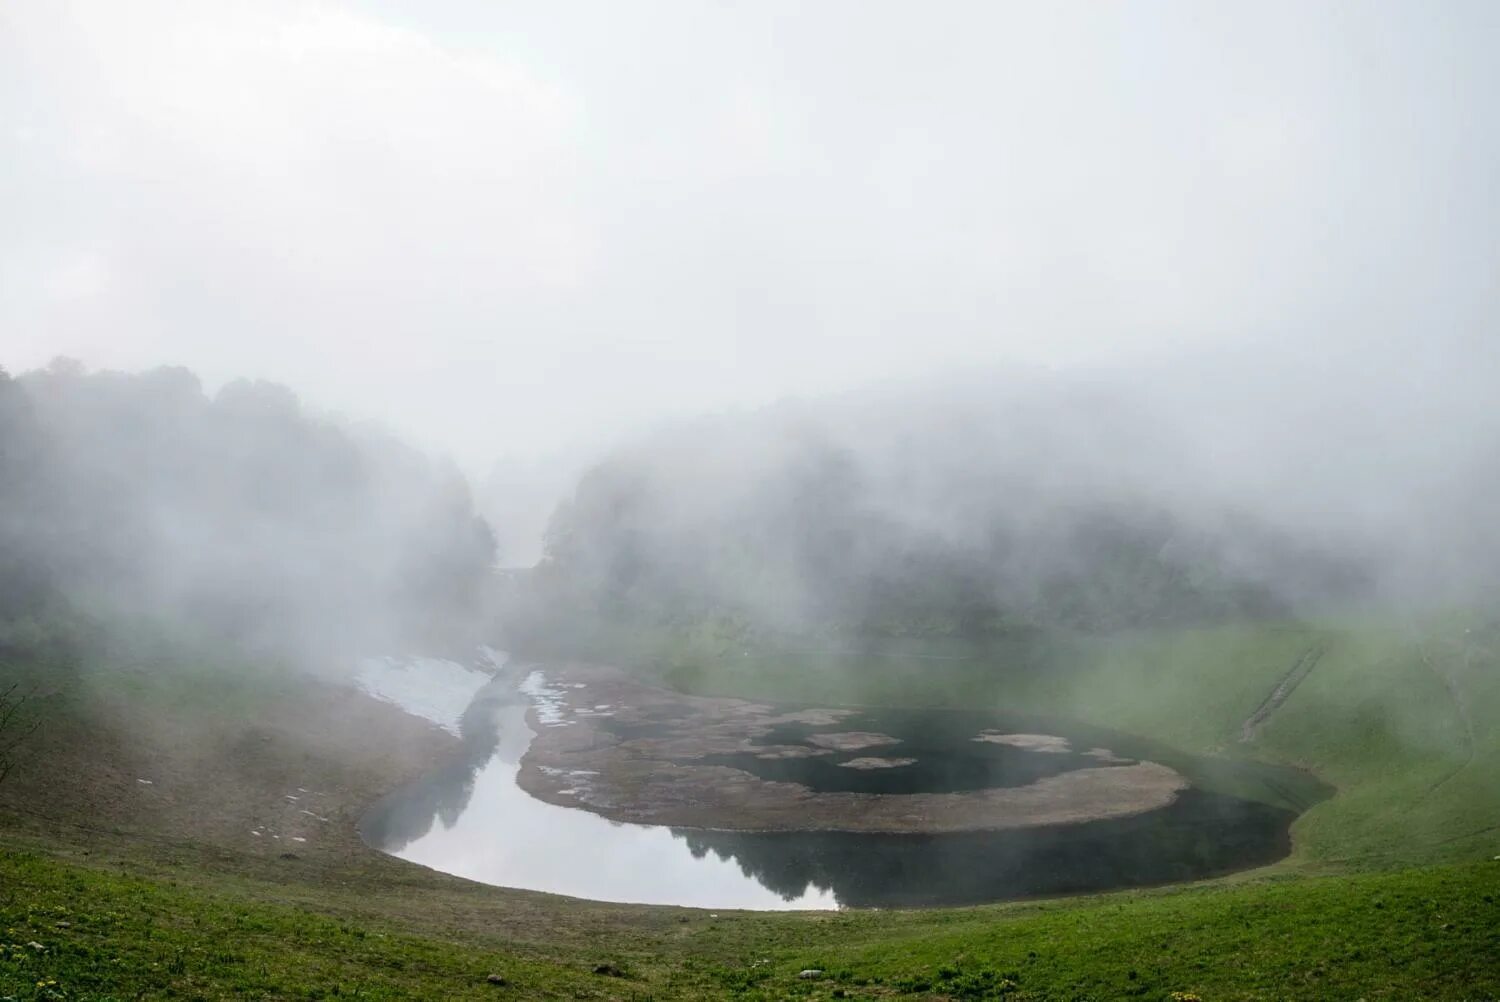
{"x":611,"y":744}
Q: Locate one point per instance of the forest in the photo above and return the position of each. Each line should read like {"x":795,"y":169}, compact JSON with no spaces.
{"x":239,"y":517}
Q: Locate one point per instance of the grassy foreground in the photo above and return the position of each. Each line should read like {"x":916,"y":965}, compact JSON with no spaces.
{"x":84,"y":929}
{"x":115,"y":888}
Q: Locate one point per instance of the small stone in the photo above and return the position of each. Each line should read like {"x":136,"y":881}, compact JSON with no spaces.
{"x":810,"y":974}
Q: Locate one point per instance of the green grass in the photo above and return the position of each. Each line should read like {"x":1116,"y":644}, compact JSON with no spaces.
{"x":1390,"y":892}
{"x":1432,"y":933}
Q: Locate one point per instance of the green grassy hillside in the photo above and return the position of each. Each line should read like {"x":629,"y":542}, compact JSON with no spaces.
{"x":155,"y":892}
{"x":184,"y":931}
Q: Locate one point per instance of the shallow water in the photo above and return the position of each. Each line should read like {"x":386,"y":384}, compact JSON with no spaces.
{"x":507,"y":837}
{"x":434,"y":689}
{"x":472,"y":820}
{"x":946,"y":752}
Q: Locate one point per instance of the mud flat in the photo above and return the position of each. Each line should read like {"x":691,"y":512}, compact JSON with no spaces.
{"x":872,"y":762}
{"x":629,"y":751}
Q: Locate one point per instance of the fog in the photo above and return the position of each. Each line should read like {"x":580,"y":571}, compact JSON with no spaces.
{"x":866,"y":285}
{"x":850,"y":453}
{"x":979,"y":506}
{"x":135,"y":505}
{"x":511,"y":231}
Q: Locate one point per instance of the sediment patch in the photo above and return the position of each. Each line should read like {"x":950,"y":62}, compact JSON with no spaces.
{"x":1032,"y":742}
{"x":876,"y":763}
{"x":852,"y":740}
{"x":657,"y":757}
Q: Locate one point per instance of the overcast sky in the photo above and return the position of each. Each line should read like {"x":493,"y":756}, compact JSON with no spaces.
{"x":506,"y":228}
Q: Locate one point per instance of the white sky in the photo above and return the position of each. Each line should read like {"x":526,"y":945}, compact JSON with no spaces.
{"x":507,"y":228}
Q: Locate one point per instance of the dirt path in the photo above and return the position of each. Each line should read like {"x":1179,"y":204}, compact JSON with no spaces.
{"x":1460,"y":708}
{"x":1289,"y":682}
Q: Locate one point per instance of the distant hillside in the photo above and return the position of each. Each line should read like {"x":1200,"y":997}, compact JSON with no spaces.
{"x":239,"y":515}
{"x":971,"y":516}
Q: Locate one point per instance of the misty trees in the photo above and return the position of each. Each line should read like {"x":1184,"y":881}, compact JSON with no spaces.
{"x":239,"y":513}
{"x":26,"y":587}
{"x":948,"y":529}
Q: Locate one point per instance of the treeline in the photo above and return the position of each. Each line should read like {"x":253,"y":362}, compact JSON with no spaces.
{"x":239,"y":516}
{"x":870,"y":524}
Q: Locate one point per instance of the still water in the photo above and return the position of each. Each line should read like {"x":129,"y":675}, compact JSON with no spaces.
{"x":471,"y":819}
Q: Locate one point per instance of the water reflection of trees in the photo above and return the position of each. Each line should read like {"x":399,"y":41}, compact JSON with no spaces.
{"x":1197,"y":836}
{"x":443,"y":794}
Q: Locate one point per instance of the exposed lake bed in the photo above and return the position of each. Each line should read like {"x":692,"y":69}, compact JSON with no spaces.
{"x":661,"y":757}
{"x":587,"y":781}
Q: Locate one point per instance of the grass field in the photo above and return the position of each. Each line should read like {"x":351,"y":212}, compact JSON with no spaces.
{"x":111,"y":929}
{"x":132,"y":890}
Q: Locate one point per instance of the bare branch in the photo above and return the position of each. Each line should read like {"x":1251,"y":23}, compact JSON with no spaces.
{"x":14,"y":728}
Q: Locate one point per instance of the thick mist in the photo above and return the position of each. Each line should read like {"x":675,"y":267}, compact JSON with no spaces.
{"x":474,"y":476}
{"x":1194,"y":491}
{"x":1062,"y":317}
{"x":515,"y":230}
{"x":238,"y":518}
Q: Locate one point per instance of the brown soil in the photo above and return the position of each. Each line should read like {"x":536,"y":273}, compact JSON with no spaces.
{"x":651,"y":778}
{"x":218,"y":771}
{"x":299,"y":768}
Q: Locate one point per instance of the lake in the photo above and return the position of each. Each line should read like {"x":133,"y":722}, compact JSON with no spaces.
{"x":472,"y":819}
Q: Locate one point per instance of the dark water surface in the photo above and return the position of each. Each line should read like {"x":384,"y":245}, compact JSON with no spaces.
{"x":471,"y":819}
{"x":947,"y":757}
